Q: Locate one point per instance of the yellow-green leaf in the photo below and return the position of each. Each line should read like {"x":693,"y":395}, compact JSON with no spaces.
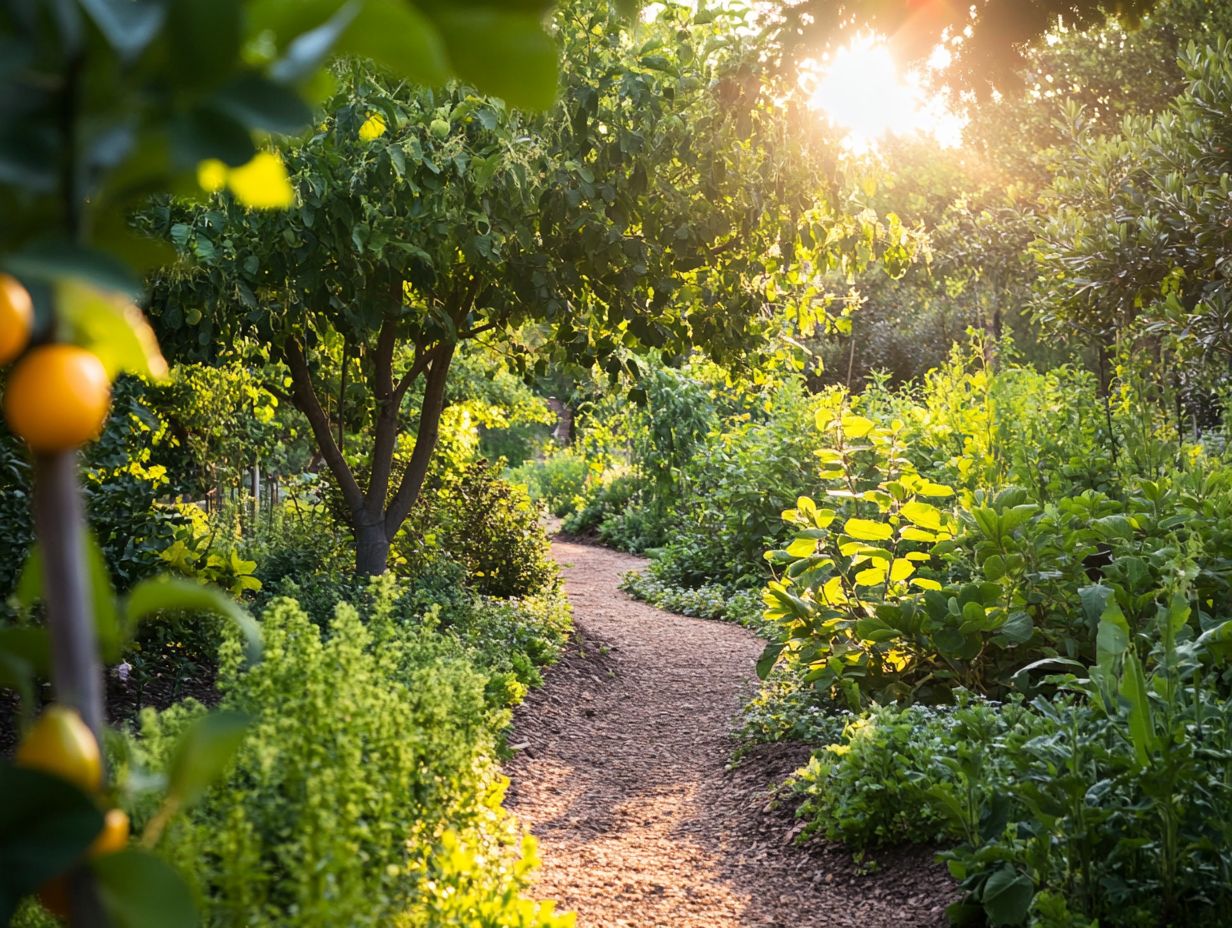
{"x":925,"y":515}
{"x":110,"y":326}
{"x":911,"y":533}
{"x":871,"y":576}
{"x":901,"y":569}
{"x":373,"y":128}
{"x":802,"y":547}
{"x":867,"y":530}
{"x":857,"y":426}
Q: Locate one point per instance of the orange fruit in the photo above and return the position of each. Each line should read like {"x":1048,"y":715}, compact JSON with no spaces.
{"x":16,"y":318}
{"x":59,"y":743}
{"x":113,"y":837}
{"x":57,"y":398}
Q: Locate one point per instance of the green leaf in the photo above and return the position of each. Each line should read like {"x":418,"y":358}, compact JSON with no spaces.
{"x":1112,"y":639}
{"x":397,"y":36}
{"x":506,"y":53}
{"x":306,"y":50}
{"x":1017,"y":629}
{"x":260,"y":103}
{"x":1007,"y":896}
{"x":769,"y":657}
{"x":172,"y":594}
{"x":46,"y":824}
{"x":901,"y":569}
{"x":205,"y":40}
{"x":52,"y":261}
{"x":856,"y":426}
{"x":203,"y":753}
{"x":870,"y":629}
{"x":139,"y":890}
{"x":1217,"y":641}
{"x":1094,"y":601}
{"x":994,"y":567}
{"x":872,"y":576}
{"x":867,"y":530}
{"x":127,"y":25}
{"x":1141,"y":728}
{"x":802,"y":546}
{"x":111,"y":327}
{"x":206,"y":132}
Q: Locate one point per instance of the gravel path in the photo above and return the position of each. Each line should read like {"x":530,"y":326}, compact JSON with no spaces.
{"x":620,"y":772}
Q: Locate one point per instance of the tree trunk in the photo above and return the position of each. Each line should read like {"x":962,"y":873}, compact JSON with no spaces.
{"x":77,"y":671}
{"x":59,"y":518}
{"x":371,"y":549}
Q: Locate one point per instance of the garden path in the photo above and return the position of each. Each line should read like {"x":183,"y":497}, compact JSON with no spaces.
{"x":620,"y":770}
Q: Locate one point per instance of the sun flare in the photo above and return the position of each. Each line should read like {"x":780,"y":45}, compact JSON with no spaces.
{"x":860,"y":89}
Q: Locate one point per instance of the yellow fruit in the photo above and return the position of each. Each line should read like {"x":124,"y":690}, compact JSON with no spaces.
{"x":59,"y":743}
{"x":113,"y":837}
{"x":16,"y":318}
{"x":57,"y":398}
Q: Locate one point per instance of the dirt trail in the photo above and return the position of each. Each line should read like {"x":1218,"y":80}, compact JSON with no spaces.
{"x":621,"y":774}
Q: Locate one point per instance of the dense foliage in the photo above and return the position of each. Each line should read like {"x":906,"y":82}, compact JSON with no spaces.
{"x":367,"y":789}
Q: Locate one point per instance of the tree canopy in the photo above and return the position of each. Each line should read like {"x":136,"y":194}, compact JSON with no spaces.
{"x":654,"y":208}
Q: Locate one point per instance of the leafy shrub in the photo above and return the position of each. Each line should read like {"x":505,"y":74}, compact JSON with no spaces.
{"x":635,"y":529}
{"x":364,"y":792}
{"x":739,"y":483}
{"x":606,"y":501}
{"x":788,"y":708}
{"x":489,"y":526}
{"x":1110,"y":804}
{"x":558,"y":481}
{"x":871,"y":787}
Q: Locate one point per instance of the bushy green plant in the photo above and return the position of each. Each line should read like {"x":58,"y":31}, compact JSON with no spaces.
{"x":488,"y":525}
{"x":786,"y":708}
{"x":558,"y":480}
{"x":606,"y":501}
{"x":869,"y":788}
{"x":636,"y":529}
{"x":1111,"y":803}
{"x":370,"y":747}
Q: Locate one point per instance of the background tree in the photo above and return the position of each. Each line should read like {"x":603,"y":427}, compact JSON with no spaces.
{"x":650,"y":209}
{"x":986,"y":39}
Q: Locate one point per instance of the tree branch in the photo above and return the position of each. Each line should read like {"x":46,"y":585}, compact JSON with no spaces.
{"x":306,"y":400}
{"x":479,"y":329}
{"x":422,"y":359}
{"x":387,"y":406}
{"x":425,"y":441}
